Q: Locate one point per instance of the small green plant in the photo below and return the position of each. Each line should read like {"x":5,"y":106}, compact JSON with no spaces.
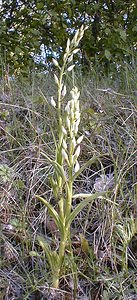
{"x":66,"y":165}
{"x":5,"y":173}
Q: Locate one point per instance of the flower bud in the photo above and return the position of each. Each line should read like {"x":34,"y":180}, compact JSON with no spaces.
{"x":67,"y":108}
{"x":55,"y":62}
{"x":64,"y":91}
{"x":70,"y":68}
{"x":68,"y":123}
{"x":64,"y":130}
{"x":79,"y":140}
{"x":64,"y":144}
{"x":75,"y":37}
{"x":76,"y":155}
{"x":77,"y":167}
{"x":53,"y":103}
{"x":75,"y":50}
{"x":68,"y":45}
{"x":56,"y":79}
{"x":73,"y":143}
{"x":65,"y":56}
{"x":64,"y":154}
{"x":70,"y":58}
{"x":76,"y":126}
{"x":77,"y":115}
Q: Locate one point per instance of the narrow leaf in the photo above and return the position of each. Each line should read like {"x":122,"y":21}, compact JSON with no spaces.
{"x":57,"y":167}
{"x":53,"y":213}
{"x":80,"y":206}
{"x":89,"y":196}
{"x":90,"y":161}
{"x":46,"y":248}
{"x":52,"y":256}
{"x":59,"y":170}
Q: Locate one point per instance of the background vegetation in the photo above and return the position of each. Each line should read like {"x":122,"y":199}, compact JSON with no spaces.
{"x":26,"y":25}
{"x":104,"y":236}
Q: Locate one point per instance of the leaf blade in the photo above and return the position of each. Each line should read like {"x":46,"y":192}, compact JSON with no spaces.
{"x":81,"y":205}
{"x":53,"y":213}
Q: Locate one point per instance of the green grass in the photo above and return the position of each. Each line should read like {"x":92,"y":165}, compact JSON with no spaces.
{"x":104,"y":237}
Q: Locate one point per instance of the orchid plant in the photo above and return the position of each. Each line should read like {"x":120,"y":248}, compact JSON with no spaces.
{"x":66,"y":163}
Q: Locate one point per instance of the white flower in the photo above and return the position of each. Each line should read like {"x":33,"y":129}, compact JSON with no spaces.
{"x":70,"y":58}
{"x":64,"y":154}
{"x":75,"y":93}
{"x":55,"y":62}
{"x":64,"y":130}
{"x":75,"y":50}
{"x":68,"y":123}
{"x":76,"y":155}
{"x":65,"y":56}
{"x":53,"y":103}
{"x":70,"y":68}
{"x":64,"y":144}
{"x":56,"y":79}
{"x":77,"y":115}
{"x":73,"y":143}
{"x":79,"y":140}
{"x":67,"y":108}
{"x":64,"y":91}
{"x":77,"y":167}
{"x":77,"y":104}
{"x":68,"y":45}
{"x":76,"y":126}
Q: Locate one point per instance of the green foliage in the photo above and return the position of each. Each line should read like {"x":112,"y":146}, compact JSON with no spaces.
{"x":5,"y":173}
{"x":26,"y":25}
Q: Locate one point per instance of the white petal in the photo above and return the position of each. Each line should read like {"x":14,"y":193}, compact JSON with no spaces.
{"x":64,"y":154}
{"x":70,"y":58}
{"x":68,"y":45}
{"x":74,"y":143}
{"x":53,"y":103}
{"x":77,"y":167}
{"x":64,"y":144}
{"x":55,"y":62}
{"x":76,"y":155}
{"x":64,"y":130}
{"x":76,"y":126}
{"x":79,"y":140}
{"x":76,"y":50}
{"x":56,"y":79}
{"x":70,"y":68}
{"x":68,"y":123}
{"x":64,"y":91}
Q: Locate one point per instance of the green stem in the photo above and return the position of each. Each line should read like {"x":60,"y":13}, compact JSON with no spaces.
{"x":55,"y":280}
{"x":62,"y":247}
{"x":63,"y":211}
{"x":69,"y":199}
{"x":60,"y":82}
